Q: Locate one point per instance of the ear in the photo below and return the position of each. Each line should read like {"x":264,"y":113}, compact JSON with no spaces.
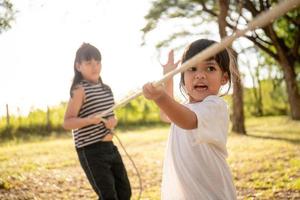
{"x":77,"y":65}
{"x":224,"y":78}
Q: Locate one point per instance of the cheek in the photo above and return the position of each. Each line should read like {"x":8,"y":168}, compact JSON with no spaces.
{"x":188,"y":78}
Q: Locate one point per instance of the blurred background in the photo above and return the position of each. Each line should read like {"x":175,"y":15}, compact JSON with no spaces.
{"x":38,"y":41}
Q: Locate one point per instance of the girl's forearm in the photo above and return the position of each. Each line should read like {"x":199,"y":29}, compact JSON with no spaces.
{"x":168,"y":86}
{"x":177,"y":113}
{"x":75,"y":123}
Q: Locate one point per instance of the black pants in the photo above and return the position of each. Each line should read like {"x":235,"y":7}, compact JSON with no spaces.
{"x":105,"y":170}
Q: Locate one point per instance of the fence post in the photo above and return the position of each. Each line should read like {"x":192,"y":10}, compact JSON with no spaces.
{"x":7,"y":116}
{"x":48,"y":119}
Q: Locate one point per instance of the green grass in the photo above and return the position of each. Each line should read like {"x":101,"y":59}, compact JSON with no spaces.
{"x":265,"y":163}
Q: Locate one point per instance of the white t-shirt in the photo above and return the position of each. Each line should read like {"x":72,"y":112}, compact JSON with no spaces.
{"x":195,"y":164}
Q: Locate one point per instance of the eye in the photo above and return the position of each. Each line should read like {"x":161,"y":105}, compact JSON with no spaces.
{"x":193,"y":69}
{"x":211,"y":68}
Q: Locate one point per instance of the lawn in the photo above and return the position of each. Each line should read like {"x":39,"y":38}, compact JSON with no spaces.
{"x":265,"y":163}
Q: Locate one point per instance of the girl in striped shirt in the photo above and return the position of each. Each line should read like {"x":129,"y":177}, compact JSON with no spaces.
{"x":98,"y":156}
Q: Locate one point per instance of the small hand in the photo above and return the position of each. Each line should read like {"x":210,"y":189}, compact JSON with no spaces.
{"x":151,"y":92}
{"x":170,"y":65}
{"x":94,"y":119}
{"x":111,"y":122}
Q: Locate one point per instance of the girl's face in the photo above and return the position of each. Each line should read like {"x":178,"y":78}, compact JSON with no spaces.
{"x":203,"y":80}
{"x":90,"y":69}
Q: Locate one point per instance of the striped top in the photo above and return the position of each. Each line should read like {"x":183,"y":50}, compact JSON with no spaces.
{"x":98,"y":98}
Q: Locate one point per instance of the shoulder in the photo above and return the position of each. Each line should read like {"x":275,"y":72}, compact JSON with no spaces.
{"x":211,"y":102}
{"x":214,"y":99}
{"x":105,"y":86}
{"x":78,"y":91}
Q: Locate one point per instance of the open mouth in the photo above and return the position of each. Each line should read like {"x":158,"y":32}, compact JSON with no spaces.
{"x":200,"y":87}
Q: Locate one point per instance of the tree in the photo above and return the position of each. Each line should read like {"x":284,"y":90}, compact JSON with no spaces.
{"x":256,"y":82}
{"x":193,"y":9}
{"x":279,"y":39}
{"x":6,"y":15}
{"x":238,"y":119}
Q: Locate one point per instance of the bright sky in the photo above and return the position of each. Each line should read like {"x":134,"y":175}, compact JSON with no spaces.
{"x":37,"y":54}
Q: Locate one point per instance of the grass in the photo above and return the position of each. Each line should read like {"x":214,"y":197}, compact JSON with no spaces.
{"x":265,"y":163}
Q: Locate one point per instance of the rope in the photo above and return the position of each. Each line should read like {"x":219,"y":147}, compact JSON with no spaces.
{"x":136,"y":169}
{"x":131,"y":160}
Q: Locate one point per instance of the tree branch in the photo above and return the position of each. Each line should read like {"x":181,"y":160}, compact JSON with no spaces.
{"x":261,"y":5}
{"x":262,"y":47}
{"x":294,"y":21}
{"x":296,"y":47}
{"x":222,"y":17}
{"x":249,"y":5}
{"x":260,"y":39}
{"x":207,"y":10}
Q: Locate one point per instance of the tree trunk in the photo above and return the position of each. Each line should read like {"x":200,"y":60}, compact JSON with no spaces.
{"x":260,"y":106}
{"x":287,"y":63}
{"x":258,"y":110}
{"x":238,"y":120}
{"x":292,"y":89}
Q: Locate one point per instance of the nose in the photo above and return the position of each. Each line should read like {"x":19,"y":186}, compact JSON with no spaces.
{"x":200,"y":74}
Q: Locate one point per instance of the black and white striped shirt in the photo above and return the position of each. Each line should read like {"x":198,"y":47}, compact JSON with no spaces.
{"x":98,"y":98}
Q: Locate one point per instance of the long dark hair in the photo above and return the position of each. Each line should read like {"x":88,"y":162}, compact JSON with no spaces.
{"x":222,"y":58}
{"x":85,"y":52}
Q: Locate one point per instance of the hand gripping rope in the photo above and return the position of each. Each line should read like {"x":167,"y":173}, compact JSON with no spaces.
{"x":258,"y":22}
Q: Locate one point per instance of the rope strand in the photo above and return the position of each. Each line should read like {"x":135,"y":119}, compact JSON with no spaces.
{"x":136,"y":169}
{"x":131,"y":160}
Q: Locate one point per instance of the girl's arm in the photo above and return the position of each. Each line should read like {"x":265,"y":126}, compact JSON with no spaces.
{"x":176,"y":112}
{"x":71,"y":120}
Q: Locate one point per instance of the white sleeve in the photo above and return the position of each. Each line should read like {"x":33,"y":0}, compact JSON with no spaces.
{"x":213,"y":121}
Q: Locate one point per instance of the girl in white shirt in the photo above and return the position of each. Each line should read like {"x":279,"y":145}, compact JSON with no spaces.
{"x":195,"y":164}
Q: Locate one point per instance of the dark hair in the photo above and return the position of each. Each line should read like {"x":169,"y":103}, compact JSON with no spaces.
{"x":222,"y":58}
{"x":85,"y":52}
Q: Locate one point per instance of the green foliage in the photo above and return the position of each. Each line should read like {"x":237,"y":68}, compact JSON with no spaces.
{"x":172,"y":11}
{"x":139,"y":112}
{"x":274,"y":98}
{"x":7,"y":13}
{"x":193,"y":14}
{"x":286,"y":30}
{"x":37,"y":122}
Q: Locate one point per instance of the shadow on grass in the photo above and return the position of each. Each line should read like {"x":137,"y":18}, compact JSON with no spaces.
{"x":290,"y":140}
